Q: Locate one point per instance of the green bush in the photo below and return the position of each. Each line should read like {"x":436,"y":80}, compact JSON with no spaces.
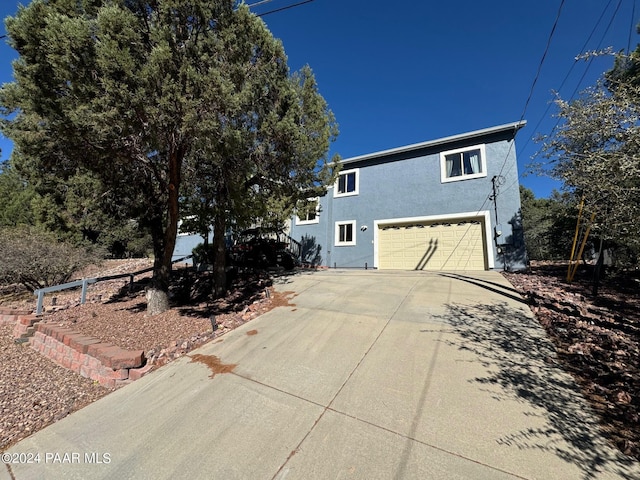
{"x":204,"y":254}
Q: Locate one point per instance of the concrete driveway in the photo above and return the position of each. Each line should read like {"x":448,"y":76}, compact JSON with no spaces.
{"x":366,"y":375}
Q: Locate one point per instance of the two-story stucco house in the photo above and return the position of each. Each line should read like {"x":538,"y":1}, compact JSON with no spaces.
{"x":450,"y":204}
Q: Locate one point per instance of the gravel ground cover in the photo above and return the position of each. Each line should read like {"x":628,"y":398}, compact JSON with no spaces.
{"x":597,"y":339}
{"x":35,"y":392}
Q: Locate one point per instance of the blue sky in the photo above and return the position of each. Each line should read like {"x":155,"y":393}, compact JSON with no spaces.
{"x":396,"y":74}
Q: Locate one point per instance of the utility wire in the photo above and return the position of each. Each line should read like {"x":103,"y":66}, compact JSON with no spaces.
{"x":253,"y":5}
{"x":633,"y":16}
{"x":535,"y":80}
{"x":258,"y":3}
{"x":575,"y":91}
{"x":544,"y":55}
{"x":590,"y":61}
{"x":493,"y":195}
{"x":283,"y":8}
{"x":582,"y":50}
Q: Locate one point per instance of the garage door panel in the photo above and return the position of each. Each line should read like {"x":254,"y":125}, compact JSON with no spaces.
{"x":432,"y":246}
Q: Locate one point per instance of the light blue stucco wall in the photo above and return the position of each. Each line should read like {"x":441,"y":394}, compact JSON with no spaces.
{"x":409,"y":185}
{"x":185,"y":243}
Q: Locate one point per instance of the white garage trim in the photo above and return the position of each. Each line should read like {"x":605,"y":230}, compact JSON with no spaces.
{"x":482,"y":215}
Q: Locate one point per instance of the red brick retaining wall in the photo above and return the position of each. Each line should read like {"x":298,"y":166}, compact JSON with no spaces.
{"x":11,"y":316}
{"x":25,"y":326}
{"x":109,"y":365}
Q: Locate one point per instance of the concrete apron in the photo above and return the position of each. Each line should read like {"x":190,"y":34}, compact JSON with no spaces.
{"x":365,"y":375}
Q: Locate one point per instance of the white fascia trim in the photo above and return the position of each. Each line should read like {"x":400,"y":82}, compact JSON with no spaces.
{"x":515,"y":126}
{"x":484,"y":215}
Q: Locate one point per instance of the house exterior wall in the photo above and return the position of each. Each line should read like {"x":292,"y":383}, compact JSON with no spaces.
{"x":184,"y":247}
{"x":408,"y":185}
{"x":185,"y":243}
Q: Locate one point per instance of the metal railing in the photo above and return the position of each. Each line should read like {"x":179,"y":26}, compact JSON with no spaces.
{"x":84,"y":283}
{"x":294,"y":247}
{"x":56,"y":288}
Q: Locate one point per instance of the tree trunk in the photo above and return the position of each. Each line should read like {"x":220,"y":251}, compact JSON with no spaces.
{"x":157,"y":300}
{"x":165,"y":241}
{"x":220,"y":263}
{"x":158,"y":292}
{"x":597,"y":271}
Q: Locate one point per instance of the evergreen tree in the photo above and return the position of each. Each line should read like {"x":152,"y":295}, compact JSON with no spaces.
{"x":141,"y":93}
{"x":274,"y":155}
{"x":549,"y":224}
{"x":16,"y":197}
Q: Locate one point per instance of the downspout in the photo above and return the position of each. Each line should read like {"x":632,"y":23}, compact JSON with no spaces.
{"x":329,"y":230}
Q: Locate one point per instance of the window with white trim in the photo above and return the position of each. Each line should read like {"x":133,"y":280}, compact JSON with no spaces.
{"x":463,"y":164}
{"x":345,"y":233}
{"x":347,"y":183}
{"x":311,"y":212}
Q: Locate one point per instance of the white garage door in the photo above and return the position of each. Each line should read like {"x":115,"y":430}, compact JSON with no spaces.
{"x":455,"y":245}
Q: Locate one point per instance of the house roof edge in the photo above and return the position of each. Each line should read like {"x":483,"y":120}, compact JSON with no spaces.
{"x":515,"y":126}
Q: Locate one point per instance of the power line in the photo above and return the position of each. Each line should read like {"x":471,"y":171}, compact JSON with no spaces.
{"x":493,"y":196}
{"x":597,"y":48}
{"x":633,"y":16}
{"x":258,"y":3}
{"x":283,"y":8}
{"x":533,"y":85}
{"x":544,"y":55}
{"x":582,"y":50}
{"x":590,"y":60}
{"x":261,"y":2}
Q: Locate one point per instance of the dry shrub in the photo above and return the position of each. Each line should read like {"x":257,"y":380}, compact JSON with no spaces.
{"x":37,"y":259}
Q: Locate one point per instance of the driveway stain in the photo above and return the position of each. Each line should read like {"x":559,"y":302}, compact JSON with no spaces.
{"x":214,"y":364}
{"x":283,"y":299}
{"x":252,"y":332}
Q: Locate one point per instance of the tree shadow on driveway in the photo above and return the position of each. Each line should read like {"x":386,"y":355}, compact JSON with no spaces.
{"x":519,"y":358}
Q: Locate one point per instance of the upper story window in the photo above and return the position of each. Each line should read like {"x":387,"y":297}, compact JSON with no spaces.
{"x":310,"y":213}
{"x":347,"y":183}
{"x":463,"y":163}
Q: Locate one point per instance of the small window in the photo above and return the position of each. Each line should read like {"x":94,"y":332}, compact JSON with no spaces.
{"x":346,"y":233}
{"x":463,"y":164}
{"x":310,"y":214}
{"x":347,"y":183}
